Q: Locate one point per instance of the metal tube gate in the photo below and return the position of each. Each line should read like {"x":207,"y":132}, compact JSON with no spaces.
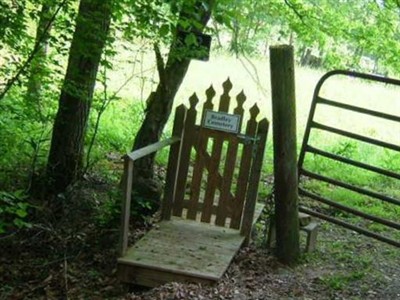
{"x":314,"y":150}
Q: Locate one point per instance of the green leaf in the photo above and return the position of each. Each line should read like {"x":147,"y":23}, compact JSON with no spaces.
{"x":164,"y":30}
{"x":19,"y":223}
{"x":190,"y":40}
{"x":21,"y":213}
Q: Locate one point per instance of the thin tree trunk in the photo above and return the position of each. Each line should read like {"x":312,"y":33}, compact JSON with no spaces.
{"x":235,"y":38}
{"x":66,"y":152}
{"x":38,"y":64}
{"x":160,"y":102}
{"x":217,"y":34}
{"x":357,"y":54}
{"x":15,"y":78}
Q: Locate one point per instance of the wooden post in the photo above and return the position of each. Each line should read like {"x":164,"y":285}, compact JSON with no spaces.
{"x":126,"y":205}
{"x":285,"y":156}
{"x":173,"y":164}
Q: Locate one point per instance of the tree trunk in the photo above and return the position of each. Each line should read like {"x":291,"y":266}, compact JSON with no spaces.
{"x":306,"y":57}
{"x":66,"y":152}
{"x":159,"y":103}
{"x":217,"y":34}
{"x":38,"y":64}
{"x":357,"y":54}
{"x":234,"y":43}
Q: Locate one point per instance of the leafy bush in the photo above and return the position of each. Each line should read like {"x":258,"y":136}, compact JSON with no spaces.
{"x":143,"y":207}
{"x":24,"y":140}
{"x":13,"y":211}
{"x":108,"y":211}
{"x":119,"y":122}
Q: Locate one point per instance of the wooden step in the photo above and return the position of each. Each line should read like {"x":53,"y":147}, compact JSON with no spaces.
{"x":180,"y":250}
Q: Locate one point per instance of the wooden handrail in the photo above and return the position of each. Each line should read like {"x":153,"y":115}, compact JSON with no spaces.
{"x":134,"y":155}
{"x":128,"y":181}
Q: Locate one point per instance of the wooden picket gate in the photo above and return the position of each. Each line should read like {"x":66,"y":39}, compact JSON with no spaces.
{"x":209,"y":201}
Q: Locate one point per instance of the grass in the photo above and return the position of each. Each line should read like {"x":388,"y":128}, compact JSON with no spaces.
{"x":135,"y":75}
{"x":351,"y":262}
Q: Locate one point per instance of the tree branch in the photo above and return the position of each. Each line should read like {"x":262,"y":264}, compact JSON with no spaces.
{"x":292,"y":7}
{"x":160,"y":63}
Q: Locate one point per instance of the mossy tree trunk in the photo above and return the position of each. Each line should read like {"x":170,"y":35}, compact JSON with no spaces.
{"x":66,"y":153}
{"x":159,"y":103}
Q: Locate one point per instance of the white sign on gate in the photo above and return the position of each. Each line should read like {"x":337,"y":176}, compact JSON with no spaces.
{"x":221,"y":121}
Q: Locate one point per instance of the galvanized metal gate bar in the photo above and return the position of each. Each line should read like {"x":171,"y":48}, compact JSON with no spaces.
{"x":349,"y":226}
{"x":354,"y":136}
{"x":349,"y":187}
{"x":353,"y":162}
{"x":306,"y":148}
{"x":359,"y":109}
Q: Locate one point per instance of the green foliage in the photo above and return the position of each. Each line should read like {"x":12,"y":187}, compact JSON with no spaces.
{"x":151,"y":20}
{"x":24,"y":138}
{"x":13,"y":211}
{"x":358,"y":177}
{"x":340,"y":31}
{"x":106,"y":206}
{"x":162,"y":157}
{"x":108,"y":212}
{"x":13,"y":19}
{"x":342,"y":281}
{"x":21,"y":45}
{"x":116,"y":129}
{"x":143,"y":207}
{"x":345,"y":256}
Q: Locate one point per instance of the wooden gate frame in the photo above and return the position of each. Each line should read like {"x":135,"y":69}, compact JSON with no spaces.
{"x":221,"y":226}
{"x":306,"y":148}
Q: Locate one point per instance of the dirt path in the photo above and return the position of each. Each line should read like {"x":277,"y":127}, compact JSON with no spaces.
{"x":50,"y":264}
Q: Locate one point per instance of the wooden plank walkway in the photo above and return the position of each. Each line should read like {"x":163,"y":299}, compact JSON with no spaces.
{"x":181,"y":250}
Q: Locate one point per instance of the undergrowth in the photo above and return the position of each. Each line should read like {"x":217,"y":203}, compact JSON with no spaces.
{"x":25,"y":133}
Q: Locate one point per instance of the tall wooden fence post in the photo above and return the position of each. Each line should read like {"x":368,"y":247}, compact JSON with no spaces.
{"x":285,"y":156}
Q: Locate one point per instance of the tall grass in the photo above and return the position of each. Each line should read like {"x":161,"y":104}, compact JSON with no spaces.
{"x":135,"y":77}
{"x":253,"y":76}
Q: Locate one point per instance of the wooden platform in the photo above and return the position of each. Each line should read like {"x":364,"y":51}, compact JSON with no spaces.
{"x":210,"y":195}
{"x":181,"y":250}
